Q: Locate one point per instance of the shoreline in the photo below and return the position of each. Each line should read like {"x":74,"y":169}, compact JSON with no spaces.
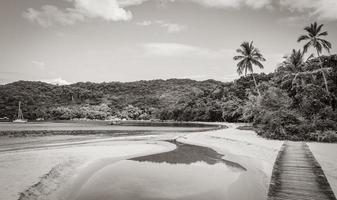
{"x":52,"y":168}
{"x":184,"y":155}
{"x":253,"y":152}
{"x":244,"y":147}
{"x":8,"y":129}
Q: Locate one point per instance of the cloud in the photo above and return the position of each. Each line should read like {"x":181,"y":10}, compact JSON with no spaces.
{"x":316,"y":9}
{"x":109,"y":10}
{"x":49,"y":15}
{"x":116,"y":10}
{"x":145,"y":23}
{"x":255,"y":4}
{"x":321,"y":9}
{"x":170,"y":27}
{"x":218,"y":3}
{"x":126,"y":3}
{"x":56,"y":81}
{"x":39,"y":64}
{"x":178,"y":49}
{"x":173,"y":28}
{"x":170,"y":49}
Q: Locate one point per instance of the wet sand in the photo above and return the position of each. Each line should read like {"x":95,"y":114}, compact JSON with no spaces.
{"x":45,"y":167}
{"x":56,"y":162}
{"x":187,"y":172}
{"x":41,"y":173}
{"x":96,"y":128}
{"x":254,"y":153}
{"x":325,"y":154}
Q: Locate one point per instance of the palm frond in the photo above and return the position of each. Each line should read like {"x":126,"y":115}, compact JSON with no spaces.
{"x":257,"y":63}
{"x":314,"y":32}
{"x":309,"y":29}
{"x":306,"y":46}
{"x":238,"y":57}
{"x":249,"y":56}
{"x":240,"y":67}
{"x":303,"y":37}
{"x":326,"y":45}
{"x":310,"y":57}
{"x":240,"y":51}
{"x":325,"y":33}
{"x":318,"y":29}
{"x":318,"y":47}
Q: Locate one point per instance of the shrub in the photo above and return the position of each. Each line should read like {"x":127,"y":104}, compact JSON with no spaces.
{"x":324,"y":136}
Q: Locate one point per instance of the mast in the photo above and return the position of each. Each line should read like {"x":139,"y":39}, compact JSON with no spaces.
{"x":20,"y":115}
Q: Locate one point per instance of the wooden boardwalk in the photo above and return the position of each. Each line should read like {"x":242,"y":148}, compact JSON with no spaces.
{"x":298,"y":176}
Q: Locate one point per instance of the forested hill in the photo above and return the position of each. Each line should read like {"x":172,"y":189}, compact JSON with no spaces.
{"x":295,"y":102}
{"x":145,"y":99}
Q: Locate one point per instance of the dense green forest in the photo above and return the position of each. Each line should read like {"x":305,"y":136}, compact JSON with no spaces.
{"x":298,"y":106}
{"x":297,"y":101}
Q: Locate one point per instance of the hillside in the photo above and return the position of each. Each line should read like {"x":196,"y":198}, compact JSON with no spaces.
{"x":295,"y":103}
{"x":39,"y":99}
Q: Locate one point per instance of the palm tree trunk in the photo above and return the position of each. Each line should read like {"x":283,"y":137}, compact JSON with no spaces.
{"x":257,"y":89}
{"x":324,"y":78}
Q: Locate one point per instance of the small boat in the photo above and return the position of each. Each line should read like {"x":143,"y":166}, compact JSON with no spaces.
{"x":20,"y":118}
{"x":4,"y":119}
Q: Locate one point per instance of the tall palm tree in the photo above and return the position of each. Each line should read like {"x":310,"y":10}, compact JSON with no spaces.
{"x":293,"y":66}
{"x":249,"y":56}
{"x":313,"y":38}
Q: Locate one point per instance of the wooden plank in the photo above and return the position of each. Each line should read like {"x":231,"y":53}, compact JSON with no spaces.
{"x":298,"y":176}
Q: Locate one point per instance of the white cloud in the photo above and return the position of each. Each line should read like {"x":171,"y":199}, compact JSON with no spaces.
{"x":109,"y":10}
{"x":218,"y":3}
{"x":39,"y":64}
{"x":145,"y":23}
{"x":316,"y":9}
{"x":169,"y":49}
{"x":48,"y":15}
{"x":56,"y":81}
{"x":256,"y":4}
{"x":115,"y":10}
{"x":170,"y":27}
{"x":177,"y":49}
{"x":173,"y":28}
{"x":321,"y":9}
{"x":125,"y":3}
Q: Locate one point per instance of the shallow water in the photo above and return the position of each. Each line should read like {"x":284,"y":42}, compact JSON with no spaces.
{"x":189,"y":172}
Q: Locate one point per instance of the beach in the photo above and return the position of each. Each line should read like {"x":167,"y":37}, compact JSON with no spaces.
{"x":45,"y":167}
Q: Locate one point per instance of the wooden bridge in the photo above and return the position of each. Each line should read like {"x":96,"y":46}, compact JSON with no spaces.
{"x":298,"y":176}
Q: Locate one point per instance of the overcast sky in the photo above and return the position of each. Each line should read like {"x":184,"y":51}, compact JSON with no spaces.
{"x":126,"y":40}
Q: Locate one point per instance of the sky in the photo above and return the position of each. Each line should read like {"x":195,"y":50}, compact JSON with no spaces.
{"x":68,"y":41}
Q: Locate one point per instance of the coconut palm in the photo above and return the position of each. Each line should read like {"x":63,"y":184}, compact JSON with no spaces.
{"x":294,"y":67}
{"x":313,"y":38}
{"x":249,"y":56}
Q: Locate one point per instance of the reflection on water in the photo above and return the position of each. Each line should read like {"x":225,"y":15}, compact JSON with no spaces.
{"x":187,"y":154}
{"x":189,"y":172}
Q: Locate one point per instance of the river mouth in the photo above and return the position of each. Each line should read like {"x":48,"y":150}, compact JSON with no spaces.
{"x":186,"y":173}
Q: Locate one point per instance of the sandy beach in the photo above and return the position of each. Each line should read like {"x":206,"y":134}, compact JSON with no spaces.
{"x":46,"y":167}
{"x":325,"y":154}
{"x":249,"y":150}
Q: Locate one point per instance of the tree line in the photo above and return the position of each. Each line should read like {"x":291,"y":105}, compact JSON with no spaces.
{"x":297,"y":101}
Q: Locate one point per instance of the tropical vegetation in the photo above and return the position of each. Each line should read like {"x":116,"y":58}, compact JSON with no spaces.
{"x":296,"y":102}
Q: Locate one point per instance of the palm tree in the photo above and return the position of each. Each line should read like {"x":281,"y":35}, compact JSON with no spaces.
{"x":249,"y":56}
{"x":313,"y":38}
{"x":294,"y":66}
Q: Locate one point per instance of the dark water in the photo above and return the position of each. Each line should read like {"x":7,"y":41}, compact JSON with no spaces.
{"x":189,"y":172}
{"x":187,"y":154}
